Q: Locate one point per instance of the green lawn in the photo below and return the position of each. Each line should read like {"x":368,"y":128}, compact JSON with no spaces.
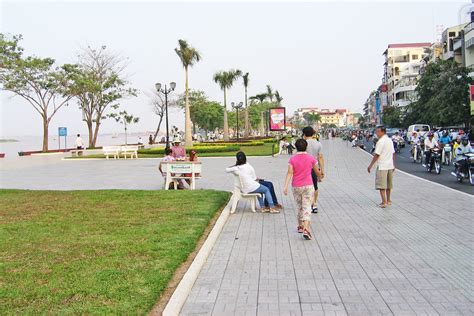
{"x":96,"y":252}
{"x":263,"y":150}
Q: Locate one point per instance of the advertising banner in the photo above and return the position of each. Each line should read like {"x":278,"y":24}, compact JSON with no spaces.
{"x":277,"y":119}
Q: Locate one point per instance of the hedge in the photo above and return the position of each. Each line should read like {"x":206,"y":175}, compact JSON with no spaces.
{"x":243,"y":144}
{"x":204,"y":149}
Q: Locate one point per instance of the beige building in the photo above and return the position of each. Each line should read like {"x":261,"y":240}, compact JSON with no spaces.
{"x":401,"y":69}
{"x":452,"y":43}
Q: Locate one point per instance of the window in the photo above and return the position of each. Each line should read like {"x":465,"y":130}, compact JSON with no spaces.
{"x":452,"y":34}
{"x":414,"y":57}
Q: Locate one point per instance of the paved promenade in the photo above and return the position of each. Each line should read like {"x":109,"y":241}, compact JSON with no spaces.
{"x":414,"y":258}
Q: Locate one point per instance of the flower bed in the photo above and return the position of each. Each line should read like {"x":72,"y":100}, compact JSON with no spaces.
{"x":198,"y":149}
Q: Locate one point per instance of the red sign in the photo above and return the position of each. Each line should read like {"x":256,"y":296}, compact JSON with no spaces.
{"x":277,"y":119}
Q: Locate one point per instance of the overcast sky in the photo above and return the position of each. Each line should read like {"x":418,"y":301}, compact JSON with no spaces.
{"x":316,"y":54}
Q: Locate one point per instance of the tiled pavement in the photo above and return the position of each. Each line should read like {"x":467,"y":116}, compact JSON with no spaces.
{"x":414,"y":258}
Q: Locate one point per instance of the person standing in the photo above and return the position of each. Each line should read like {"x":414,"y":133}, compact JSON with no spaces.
{"x":179,"y":153}
{"x":299,"y":172}
{"x":79,"y":143}
{"x":314,"y":149}
{"x":384,"y":156}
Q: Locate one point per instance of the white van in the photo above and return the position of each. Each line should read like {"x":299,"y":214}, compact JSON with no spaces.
{"x":420,"y":129}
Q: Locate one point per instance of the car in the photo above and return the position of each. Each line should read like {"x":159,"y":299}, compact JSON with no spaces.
{"x":392,"y":131}
{"x":421,"y":130}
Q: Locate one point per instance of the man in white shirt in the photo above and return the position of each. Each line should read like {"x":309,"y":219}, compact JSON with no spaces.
{"x":79,"y":142}
{"x":384,"y":156}
{"x":430,"y":143}
{"x":314,"y":149}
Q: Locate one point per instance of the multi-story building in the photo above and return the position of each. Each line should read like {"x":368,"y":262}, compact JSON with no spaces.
{"x":401,"y":69}
{"x":338,"y":117}
{"x":453,"y":43}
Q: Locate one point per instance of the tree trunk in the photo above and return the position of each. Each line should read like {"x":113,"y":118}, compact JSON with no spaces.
{"x":226,"y":123}
{"x":45,"y":133}
{"x":91,"y":135}
{"x":188,"y":139}
{"x":262,"y":124}
{"x":96,"y":133}
{"x":157,"y":129}
{"x":247,"y":125}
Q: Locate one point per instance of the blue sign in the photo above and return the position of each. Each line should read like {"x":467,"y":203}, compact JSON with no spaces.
{"x":377,"y":104}
{"x":62,"y":131}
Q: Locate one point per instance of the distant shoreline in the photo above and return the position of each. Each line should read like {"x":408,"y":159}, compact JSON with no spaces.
{"x":8,"y":141}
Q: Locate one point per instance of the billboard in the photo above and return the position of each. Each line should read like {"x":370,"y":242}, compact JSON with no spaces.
{"x":277,"y":119}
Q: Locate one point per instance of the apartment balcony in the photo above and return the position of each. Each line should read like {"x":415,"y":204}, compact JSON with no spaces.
{"x":399,"y":88}
{"x":457,"y":46}
{"x":448,"y":55}
{"x":468,"y":28}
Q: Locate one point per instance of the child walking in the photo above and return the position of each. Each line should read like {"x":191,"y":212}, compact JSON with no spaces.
{"x":299,"y":171}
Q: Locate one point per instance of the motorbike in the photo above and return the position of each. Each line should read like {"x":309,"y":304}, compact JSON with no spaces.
{"x":435,"y":160}
{"x":467,"y":173}
{"x":447,"y":155}
{"x":417,"y":153}
{"x":397,"y":146}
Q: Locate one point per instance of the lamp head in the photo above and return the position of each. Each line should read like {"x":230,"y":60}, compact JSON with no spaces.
{"x":173,"y":85}
{"x":241,"y":104}
{"x":232,"y":104}
{"x":158,"y":86}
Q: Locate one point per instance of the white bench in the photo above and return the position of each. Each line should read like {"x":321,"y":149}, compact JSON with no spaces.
{"x":239,"y":195}
{"x":129,"y":150}
{"x":177,"y":170}
{"x":111,"y":151}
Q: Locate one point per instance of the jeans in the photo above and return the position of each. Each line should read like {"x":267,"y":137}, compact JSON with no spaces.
{"x":427,"y":157}
{"x":268,"y":196}
{"x":269,"y":185}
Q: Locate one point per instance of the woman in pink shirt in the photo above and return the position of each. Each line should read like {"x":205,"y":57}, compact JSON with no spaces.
{"x":299,"y":171}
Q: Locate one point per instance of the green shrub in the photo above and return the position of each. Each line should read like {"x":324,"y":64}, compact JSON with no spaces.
{"x":240,"y":144}
{"x":198,"y":149}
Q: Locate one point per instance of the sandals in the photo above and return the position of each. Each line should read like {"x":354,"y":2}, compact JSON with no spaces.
{"x":274,"y":211}
{"x":300,"y":229}
{"x":314,"y":209}
{"x":381,"y":205}
{"x":307,"y":235}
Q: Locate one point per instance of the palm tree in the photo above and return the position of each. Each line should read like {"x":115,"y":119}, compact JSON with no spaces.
{"x":312,"y":118}
{"x":188,"y":56}
{"x":247,"y":123}
{"x":225,"y":80}
{"x":278,"y":97}
{"x":260,"y":97}
{"x":270,"y":93}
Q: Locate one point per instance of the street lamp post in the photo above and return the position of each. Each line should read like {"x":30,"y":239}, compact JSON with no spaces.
{"x":237,"y":107}
{"x":166,"y":91}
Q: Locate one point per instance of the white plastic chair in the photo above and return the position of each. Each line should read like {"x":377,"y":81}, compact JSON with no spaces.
{"x":239,"y":195}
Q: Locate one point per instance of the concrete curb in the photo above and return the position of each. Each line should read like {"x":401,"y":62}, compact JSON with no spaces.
{"x":186,"y":284}
{"x":432,"y":182}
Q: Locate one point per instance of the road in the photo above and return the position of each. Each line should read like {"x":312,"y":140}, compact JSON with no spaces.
{"x":405,"y":163}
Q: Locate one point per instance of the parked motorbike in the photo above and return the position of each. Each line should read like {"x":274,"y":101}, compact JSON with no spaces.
{"x":447,"y":155}
{"x":434,"y":161}
{"x":468,"y":172}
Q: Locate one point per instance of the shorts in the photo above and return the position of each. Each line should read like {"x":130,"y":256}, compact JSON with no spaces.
{"x":304,"y":198}
{"x":384,"y":179}
{"x":314,"y":176}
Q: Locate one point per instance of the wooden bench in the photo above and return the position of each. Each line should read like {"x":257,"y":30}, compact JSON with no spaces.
{"x":129,"y":150}
{"x":239,"y":195}
{"x":177,"y":170}
{"x":77,"y":152}
{"x":111,"y":151}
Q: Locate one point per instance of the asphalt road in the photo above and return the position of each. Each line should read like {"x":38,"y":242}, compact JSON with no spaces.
{"x":405,"y":163}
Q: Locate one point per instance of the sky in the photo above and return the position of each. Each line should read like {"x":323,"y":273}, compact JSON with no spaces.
{"x":323,"y":54}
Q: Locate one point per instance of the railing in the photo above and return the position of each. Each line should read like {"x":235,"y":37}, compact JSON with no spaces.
{"x":468,"y":28}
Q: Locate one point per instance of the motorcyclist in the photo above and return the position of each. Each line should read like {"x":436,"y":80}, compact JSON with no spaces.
{"x":430,"y":143}
{"x":396,"y":140}
{"x":445,"y":139}
{"x":456,"y":144}
{"x":463,"y":148}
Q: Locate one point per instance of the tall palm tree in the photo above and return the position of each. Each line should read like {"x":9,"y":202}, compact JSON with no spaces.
{"x":225,"y":80}
{"x":312,"y":118}
{"x":260,"y":97}
{"x":278,"y":97}
{"x":188,"y":56}
{"x":270,"y":93}
{"x":247,"y":123}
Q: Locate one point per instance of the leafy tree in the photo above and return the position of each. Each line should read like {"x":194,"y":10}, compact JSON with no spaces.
{"x":98,"y":85}
{"x":392,"y":116}
{"x":247,"y":123}
{"x":37,"y":80}
{"x":443,"y":96}
{"x":225,"y":80}
{"x":312,"y":118}
{"x":124,"y":118}
{"x":188,"y":56}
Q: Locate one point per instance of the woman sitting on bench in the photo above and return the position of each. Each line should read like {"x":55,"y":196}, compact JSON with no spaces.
{"x":252,"y":184}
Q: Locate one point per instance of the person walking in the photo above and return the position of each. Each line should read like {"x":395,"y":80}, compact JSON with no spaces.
{"x":314,"y":149}
{"x":384,"y":156}
{"x":299,"y":172}
{"x":79,"y":143}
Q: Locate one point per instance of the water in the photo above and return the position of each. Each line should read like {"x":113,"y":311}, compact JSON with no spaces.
{"x":33,"y":143}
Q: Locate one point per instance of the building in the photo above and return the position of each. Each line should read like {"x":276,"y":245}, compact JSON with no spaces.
{"x":401,"y":69}
{"x":337,"y":117}
{"x":453,"y":44}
